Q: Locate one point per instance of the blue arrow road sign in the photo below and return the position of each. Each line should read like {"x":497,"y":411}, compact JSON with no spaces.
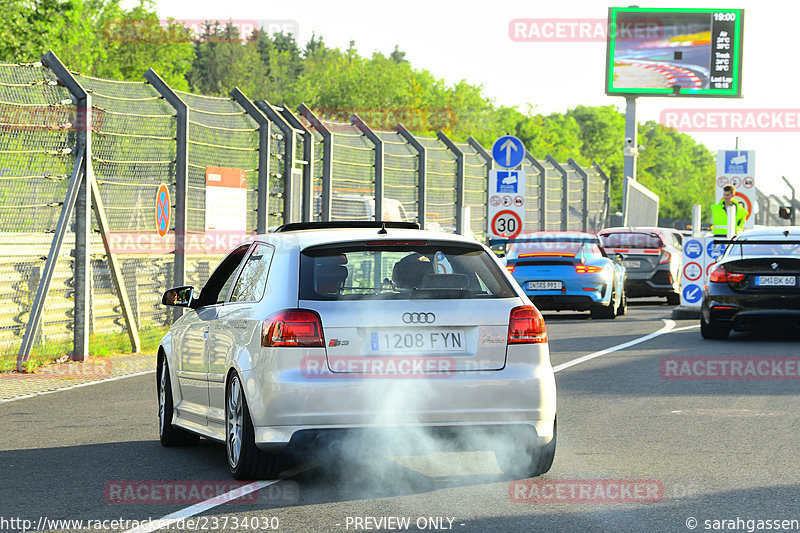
{"x":508,"y":151}
{"x":692,"y":293}
{"x":693,"y":249}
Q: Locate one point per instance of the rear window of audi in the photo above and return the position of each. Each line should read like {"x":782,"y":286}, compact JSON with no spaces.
{"x":629,"y":239}
{"x":393,"y":270}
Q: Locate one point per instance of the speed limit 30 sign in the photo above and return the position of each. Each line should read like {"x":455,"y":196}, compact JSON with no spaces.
{"x":506,"y":223}
{"x":506,"y":205}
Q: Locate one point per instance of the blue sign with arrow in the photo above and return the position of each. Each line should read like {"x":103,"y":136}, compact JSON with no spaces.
{"x":692,"y":293}
{"x":508,"y":151}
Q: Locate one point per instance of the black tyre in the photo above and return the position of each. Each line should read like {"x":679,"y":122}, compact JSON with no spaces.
{"x":520,"y":458}
{"x":245,"y":460}
{"x":623,"y":304}
{"x":606,"y":311}
{"x":713,"y":332}
{"x":167,"y":433}
{"x":674,"y":299}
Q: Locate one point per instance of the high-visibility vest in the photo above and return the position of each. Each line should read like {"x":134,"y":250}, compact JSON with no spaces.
{"x":719,"y":217}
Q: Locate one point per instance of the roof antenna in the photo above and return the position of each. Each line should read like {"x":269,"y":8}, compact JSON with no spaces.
{"x":382,"y":231}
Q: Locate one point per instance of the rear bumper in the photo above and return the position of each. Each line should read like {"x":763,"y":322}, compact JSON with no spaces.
{"x":293,"y":404}
{"x":743,"y":313}
{"x":655,"y":286}
{"x":556,"y":302}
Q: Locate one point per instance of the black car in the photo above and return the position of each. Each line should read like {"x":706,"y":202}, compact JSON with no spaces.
{"x":652,"y":258}
{"x":754,"y":285}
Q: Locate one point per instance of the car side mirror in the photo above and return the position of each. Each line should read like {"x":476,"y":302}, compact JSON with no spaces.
{"x":618,"y":258}
{"x":178,"y":296}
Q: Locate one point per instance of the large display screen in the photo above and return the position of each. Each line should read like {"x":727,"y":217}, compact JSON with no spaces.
{"x":683,"y":52}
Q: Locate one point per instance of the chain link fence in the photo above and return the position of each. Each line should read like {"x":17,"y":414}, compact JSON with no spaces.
{"x":145,"y":135}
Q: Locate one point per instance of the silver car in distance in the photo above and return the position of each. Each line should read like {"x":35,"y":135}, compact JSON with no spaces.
{"x":363,"y":331}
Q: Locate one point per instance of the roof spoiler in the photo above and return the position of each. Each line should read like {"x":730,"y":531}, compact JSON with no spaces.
{"x":345,"y":224}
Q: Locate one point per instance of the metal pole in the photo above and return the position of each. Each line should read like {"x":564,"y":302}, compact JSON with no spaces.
{"x":288,"y":156}
{"x":181,"y":177}
{"x":378,"y":143}
{"x":422,"y":171}
{"x":606,"y":192}
{"x":459,"y":180}
{"x":582,"y":173}
{"x":327,"y":159}
{"x":264,"y":132}
{"x":794,"y":207}
{"x":565,"y":192}
{"x":83,"y":206}
{"x":696,"y":220}
{"x":307,"y":162}
{"x":630,"y":151}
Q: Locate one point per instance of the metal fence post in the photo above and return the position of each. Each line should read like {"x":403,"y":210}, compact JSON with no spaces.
{"x":327,"y":159}
{"x":181,"y":176}
{"x":264,"y":132}
{"x":288,"y":153}
{"x":565,"y":192}
{"x":542,"y":190}
{"x":307,"y":162}
{"x":422,"y":169}
{"x":378,"y":143}
{"x":459,"y":180}
{"x":606,"y":193}
{"x":582,"y":173}
{"x":83,"y":206}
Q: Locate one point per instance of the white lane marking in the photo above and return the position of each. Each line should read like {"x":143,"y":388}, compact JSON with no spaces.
{"x":201,"y":507}
{"x":669,"y":327}
{"x":35,"y":394}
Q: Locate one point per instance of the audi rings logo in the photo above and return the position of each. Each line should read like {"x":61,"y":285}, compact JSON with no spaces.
{"x":419,"y":318}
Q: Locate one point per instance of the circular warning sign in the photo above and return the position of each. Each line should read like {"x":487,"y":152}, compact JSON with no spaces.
{"x":506,"y":200}
{"x":747,"y":203}
{"x":722,"y":181}
{"x":494,"y":200}
{"x":506,"y":223}
{"x":519,"y":201}
{"x":692,"y":271}
{"x":736,"y":181}
{"x":747,"y":182}
{"x":163,"y":212}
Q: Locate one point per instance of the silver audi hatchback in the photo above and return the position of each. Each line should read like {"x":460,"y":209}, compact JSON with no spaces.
{"x":324,"y":331}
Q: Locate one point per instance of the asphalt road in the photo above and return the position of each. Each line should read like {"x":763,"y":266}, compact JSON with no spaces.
{"x":714,"y":449}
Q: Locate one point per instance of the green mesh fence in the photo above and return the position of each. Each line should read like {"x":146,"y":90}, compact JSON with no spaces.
{"x":440,"y":206}
{"x":37,"y":133}
{"x":134,"y":151}
{"x":353,"y":173}
{"x":476,"y":169}
{"x":400,"y":178}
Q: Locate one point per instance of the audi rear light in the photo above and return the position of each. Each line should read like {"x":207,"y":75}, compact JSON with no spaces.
{"x":293,"y":327}
{"x":665,"y":257}
{"x":587,"y":269}
{"x":526,"y":326}
{"x":721,"y":275}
